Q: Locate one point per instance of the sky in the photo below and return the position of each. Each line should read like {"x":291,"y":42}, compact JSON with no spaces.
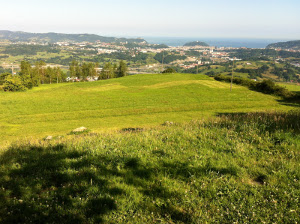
{"x":276,"y":19}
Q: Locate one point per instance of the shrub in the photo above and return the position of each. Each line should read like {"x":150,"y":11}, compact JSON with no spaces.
{"x":169,"y":70}
{"x":265,"y":86}
{"x":3,"y":77}
{"x":13,"y":83}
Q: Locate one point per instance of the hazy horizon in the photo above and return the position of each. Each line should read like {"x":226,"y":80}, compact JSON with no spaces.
{"x":194,"y":19}
{"x":148,"y":36}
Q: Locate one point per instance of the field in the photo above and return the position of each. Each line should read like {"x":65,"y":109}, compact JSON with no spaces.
{"x":212,"y":162}
{"x":291,"y":87}
{"x":238,"y":168}
{"x":133,"y":101}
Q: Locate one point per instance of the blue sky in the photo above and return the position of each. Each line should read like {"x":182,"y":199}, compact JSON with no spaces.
{"x":177,"y":18}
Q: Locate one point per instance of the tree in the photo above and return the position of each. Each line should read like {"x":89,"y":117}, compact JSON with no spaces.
{"x":59,"y":74}
{"x":49,"y":74}
{"x":41,"y":71}
{"x":122,"y":69}
{"x":26,"y":74}
{"x":72,"y":68}
{"x":107,"y":71}
{"x":85,"y":71}
{"x":75,"y":69}
{"x":3,"y":77}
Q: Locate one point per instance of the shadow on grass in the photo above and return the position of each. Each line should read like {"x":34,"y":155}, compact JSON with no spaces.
{"x":44,"y":185}
{"x":56,"y":184}
{"x":295,"y":102}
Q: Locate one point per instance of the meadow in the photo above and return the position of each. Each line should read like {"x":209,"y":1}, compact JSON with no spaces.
{"x":162,"y":148}
{"x":294,"y":87}
{"x":128,"y":102}
{"x":237,"y":168}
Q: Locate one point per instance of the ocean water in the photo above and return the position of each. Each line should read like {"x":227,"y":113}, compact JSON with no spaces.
{"x":218,"y":42}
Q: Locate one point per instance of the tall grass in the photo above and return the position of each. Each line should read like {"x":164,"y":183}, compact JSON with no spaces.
{"x":271,"y":121}
{"x":240,"y":168}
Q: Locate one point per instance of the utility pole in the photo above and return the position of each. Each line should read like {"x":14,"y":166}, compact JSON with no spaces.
{"x":232,"y":75}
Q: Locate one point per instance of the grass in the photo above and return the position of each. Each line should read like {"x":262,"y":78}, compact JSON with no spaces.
{"x":291,"y":86}
{"x":236,"y":168}
{"x":133,"y":101}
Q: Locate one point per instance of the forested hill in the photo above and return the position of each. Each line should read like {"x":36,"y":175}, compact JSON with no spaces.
{"x":196,"y":43}
{"x":286,"y":45}
{"x":59,"y":37}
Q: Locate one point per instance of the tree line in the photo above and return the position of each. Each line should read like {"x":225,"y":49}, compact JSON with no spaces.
{"x":31,"y":76}
{"x":90,"y":69}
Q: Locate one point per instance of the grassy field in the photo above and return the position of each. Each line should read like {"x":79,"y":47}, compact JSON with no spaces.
{"x":133,"y":101}
{"x":237,"y":168}
{"x":291,"y":86}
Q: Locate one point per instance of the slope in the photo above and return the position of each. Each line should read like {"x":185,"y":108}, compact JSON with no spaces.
{"x":133,"y":101}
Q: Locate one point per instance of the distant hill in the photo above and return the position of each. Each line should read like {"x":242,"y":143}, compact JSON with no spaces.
{"x":196,"y":43}
{"x":60,"y":37}
{"x":295,"y":45}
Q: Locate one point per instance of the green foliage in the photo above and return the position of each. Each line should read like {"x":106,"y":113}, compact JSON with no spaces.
{"x":265,"y":86}
{"x":13,"y":84}
{"x":286,"y":45}
{"x":169,"y":70}
{"x":196,"y":43}
{"x":108,"y":71}
{"x":125,"y":56}
{"x":3,"y":77}
{"x":211,"y":73}
{"x":4,"y":70}
{"x":16,"y":50}
{"x":262,"y":54}
{"x":236,"y":168}
{"x":166,"y":58}
{"x":59,"y":37}
{"x":254,"y":54}
{"x":159,"y":46}
{"x":286,"y":73}
{"x":27,"y":75}
{"x":254,"y":73}
{"x":88,"y":70}
{"x":122,"y":69}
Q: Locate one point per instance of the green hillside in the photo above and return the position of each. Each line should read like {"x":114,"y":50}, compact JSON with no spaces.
{"x":133,"y":101}
{"x":286,"y":45}
{"x":57,"y":37}
{"x":196,"y":43}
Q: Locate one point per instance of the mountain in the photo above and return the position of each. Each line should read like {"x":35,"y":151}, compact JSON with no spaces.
{"x":295,"y":45}
{"x":196,"y":43}
{"x":60,"y":37}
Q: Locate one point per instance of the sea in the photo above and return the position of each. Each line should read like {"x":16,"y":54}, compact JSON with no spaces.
{"x":217,"y":42}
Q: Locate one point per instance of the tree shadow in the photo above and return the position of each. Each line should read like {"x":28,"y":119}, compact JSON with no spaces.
{"x":294,"y":102}
{"x":56,"y":184}
{"x":47,"y":185}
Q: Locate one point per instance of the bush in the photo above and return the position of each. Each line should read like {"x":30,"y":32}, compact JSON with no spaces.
{"x":266,"y":86}
{"x":169,"y":70}
{"x":13,"y":84}
{"x":3,"y":77}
